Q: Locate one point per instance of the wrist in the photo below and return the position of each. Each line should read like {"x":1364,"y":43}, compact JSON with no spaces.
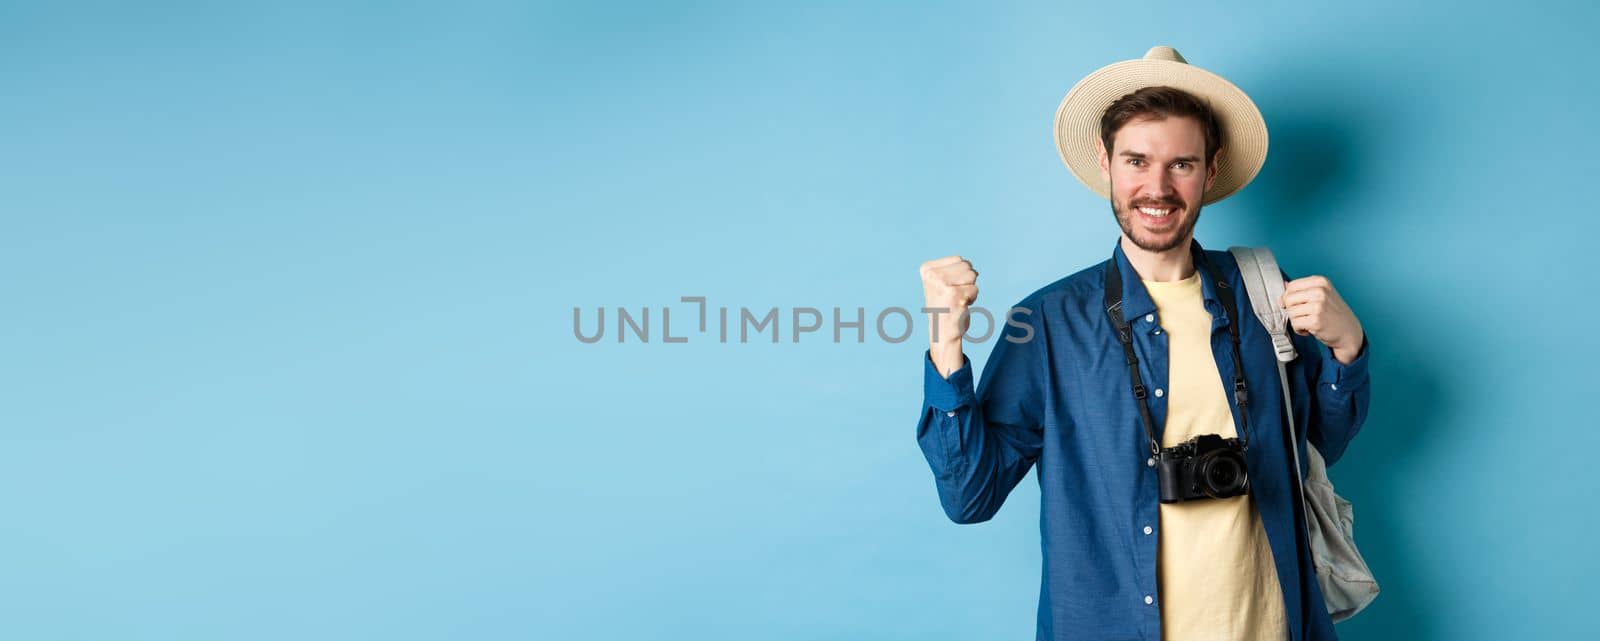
{"x":1347,"y":354}
{"x":946,"y":356}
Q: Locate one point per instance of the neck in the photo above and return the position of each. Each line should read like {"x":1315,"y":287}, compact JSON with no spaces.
{"x":1171,"y":265}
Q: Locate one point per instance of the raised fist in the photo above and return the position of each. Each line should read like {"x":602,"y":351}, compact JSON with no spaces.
{"x":952,"y":284}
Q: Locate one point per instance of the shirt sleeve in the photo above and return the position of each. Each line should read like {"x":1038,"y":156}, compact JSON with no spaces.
{"x":1340,"y":401}
{"x":981,"y":443}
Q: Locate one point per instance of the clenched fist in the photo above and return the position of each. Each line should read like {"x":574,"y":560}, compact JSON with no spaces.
{"x":952,"y":284}
{"x":1315,"y":308}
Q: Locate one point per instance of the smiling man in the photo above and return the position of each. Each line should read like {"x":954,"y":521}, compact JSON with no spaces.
{"x":1148,"y":403}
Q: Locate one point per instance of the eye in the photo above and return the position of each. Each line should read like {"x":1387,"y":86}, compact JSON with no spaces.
{"x":1136,"y":162}
{"x":1182,"y":164}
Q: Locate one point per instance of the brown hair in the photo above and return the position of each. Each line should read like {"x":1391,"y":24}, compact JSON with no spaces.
{"x":1160,"y":103}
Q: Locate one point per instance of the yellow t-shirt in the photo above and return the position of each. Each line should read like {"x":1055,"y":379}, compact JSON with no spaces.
{"x":1215,"y":569}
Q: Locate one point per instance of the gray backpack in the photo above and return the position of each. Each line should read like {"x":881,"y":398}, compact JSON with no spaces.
{"x":1347,"y":583}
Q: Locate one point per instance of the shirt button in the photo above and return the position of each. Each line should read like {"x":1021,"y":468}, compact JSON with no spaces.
{"x":1335,"y":386}
{"x":1147,"y":530}
{"x":1149,"y":318}
{"x":950,"y":413}
{"x":1151,"y":462}
{"x":1149,"y":599}
{"x":1160,"y":393}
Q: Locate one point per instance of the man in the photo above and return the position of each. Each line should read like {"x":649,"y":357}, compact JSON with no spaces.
{"x":1122,"y":559}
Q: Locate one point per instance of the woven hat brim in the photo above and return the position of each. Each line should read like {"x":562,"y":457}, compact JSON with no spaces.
{"x":1244,"y":132}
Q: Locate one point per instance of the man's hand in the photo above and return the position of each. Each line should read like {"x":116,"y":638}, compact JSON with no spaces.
{"x":952,"y":284}
{"x":1315,"y":309}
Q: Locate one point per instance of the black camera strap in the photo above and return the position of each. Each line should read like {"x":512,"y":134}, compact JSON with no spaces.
{"x":1113,"y":302}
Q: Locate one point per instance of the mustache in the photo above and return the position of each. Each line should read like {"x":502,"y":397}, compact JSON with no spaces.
{"x":1160,"y":202}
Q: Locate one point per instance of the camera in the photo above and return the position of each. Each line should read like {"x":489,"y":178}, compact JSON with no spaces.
{"x":1206,"y":466}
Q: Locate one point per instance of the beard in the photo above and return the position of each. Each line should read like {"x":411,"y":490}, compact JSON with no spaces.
{"x":1168,"y":241}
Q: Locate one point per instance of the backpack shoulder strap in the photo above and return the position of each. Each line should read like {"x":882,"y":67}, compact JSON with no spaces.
{"x":1264,"y":282}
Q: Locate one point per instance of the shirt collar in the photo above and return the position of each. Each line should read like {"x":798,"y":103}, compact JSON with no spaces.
{"x":1136,"y":301}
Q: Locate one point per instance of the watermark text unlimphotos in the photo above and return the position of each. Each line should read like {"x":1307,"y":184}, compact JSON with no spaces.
{"x":742,"y":324}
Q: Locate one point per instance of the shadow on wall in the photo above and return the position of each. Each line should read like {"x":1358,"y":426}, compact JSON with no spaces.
{"x":1318,"y":134}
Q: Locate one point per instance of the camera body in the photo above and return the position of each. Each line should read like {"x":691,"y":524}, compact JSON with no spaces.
{"x":1206,"y":466}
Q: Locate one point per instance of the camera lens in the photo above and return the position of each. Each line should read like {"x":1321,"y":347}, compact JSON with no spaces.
{"x":1221,"y":474}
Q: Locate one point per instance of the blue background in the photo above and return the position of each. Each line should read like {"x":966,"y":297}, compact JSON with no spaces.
{"x":288,"y":301}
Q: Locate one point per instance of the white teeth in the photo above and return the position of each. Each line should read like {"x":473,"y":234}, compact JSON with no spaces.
{"x":1158,"y":213}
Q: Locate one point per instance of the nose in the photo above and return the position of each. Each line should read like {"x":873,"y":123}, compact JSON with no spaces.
{"x":1159,"y":186}
{"x":1163,"y":185}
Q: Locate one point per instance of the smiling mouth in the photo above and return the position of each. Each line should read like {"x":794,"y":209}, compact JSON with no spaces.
{"x":1158,"y":216}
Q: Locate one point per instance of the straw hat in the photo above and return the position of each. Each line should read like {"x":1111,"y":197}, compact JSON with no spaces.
{"x":1244,"y":133}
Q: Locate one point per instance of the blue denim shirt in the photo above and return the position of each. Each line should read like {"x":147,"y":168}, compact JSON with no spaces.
{"x":1061,"y":400}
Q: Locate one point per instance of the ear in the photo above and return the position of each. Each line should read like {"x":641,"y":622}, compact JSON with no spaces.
{"x":1105,"y":162}
{"x":1211,"y":168}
